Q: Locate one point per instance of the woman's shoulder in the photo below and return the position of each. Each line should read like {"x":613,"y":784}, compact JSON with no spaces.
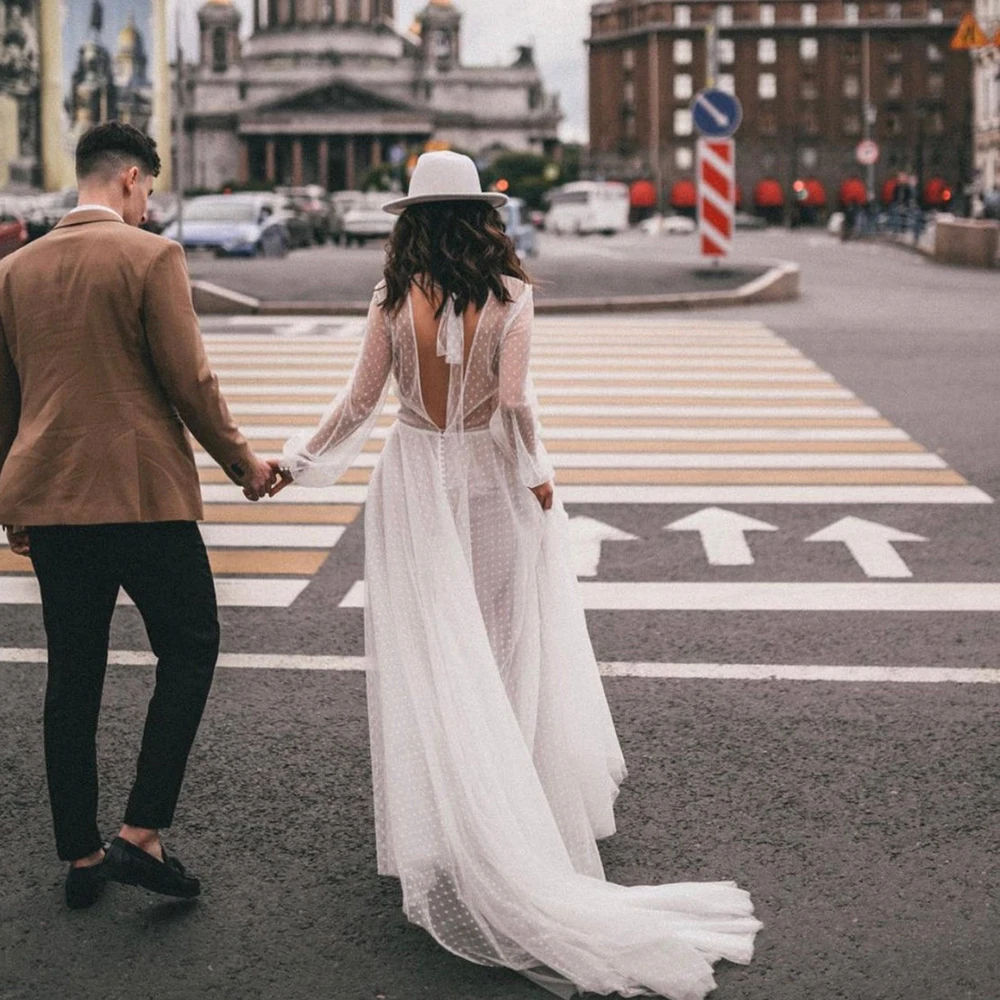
{"x":516,"y":287}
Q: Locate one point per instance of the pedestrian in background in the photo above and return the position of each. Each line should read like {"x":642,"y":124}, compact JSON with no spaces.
{"x":101,"y":368}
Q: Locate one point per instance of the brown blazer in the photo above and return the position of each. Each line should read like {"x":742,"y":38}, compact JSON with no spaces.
{"x":101,"y":367}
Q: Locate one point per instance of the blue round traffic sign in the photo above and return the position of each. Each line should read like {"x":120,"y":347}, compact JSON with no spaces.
{"x":716,"y":113}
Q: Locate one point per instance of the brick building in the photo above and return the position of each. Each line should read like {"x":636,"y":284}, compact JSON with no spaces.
{"x":801,"y":71}
{"x":986,"y":88}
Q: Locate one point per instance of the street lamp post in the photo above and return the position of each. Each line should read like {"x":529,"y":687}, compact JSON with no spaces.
{"x":867,"y":109}
{"x":179,"y":121}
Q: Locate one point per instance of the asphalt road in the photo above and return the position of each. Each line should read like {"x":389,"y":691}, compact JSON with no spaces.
{"x":862,"y":815}
{"x":567,"y":267}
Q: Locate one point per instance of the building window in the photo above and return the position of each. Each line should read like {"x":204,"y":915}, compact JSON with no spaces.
{"x":934,"y":53}
{"x":768,"y":125}
{"x":683,"y":88}
{"x":852,"y":86}
{"x":767,"y":50}
{"x":683,"y":51}
{"x":767,"y":86}
{"x":852,"y":124}
{"x":809,"y":89}
{"x":808,"y":49}
{"x":628,"y":121}
{"x":726,"y":82}
{"x":809,"y":13}
{"x":894,"y":11}
{"x":767,"y":14}
{"x":935,"y":85}
{"x":894,"y":86}
{"x":808,"y":158}
{"x":935,"y":15}
{"x":852,"y":13}
{"x":726,"y":51}
{"x":894,"y":123}
{"x":628,"y":92}
{"x":628,"y":60}
{"x":683,"y":158}
{"x":682,"y":122}
{"x":894,"y":54}
{"x":220,"y":50}
{"x":937,"y":122}
{"x":327,"y":11}
{"x":810,"y":122}
{"x":682,"y":16}
{"x":724,"y":15}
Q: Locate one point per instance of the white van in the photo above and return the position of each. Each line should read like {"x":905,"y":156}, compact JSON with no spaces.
{"x":588,"y":207}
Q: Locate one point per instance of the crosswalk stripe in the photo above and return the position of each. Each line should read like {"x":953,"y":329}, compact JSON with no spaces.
{"x":240,"y":592}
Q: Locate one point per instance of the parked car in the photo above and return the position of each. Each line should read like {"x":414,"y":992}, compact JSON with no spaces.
{"x":232,"y":225}
{"x":668,"y":225}
{"x":366,"y":220}
{"x":519,"y":228}
{"x":160,"y":212}
{"x":13,"y":231}
{"x":287,"y":210}
{"x":341,"y":202}
{"x":588,"y":207}
{"x":48,"y":209}
{"x":744,"y":220}
{"x":314,"y":203}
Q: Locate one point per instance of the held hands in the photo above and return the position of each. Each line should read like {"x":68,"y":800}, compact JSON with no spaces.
{"x":544,"y":494}
{"x":260,"y":478}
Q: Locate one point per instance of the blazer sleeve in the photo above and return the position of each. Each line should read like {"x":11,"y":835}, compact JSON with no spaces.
{"x":10,"y":400}
{"x":178,"y":354}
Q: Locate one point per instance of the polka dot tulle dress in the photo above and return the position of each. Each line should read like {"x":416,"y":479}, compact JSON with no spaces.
{"x":495,"y":761}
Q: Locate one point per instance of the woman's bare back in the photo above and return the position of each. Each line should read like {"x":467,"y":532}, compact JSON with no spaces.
{"x":434,"y":370}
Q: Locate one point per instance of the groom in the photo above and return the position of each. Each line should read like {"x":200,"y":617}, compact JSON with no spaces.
{"x":101,"y":368}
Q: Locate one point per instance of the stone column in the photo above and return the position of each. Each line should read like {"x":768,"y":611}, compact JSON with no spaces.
{"x":351,"y":151}
{"x":244,"y":177}
{"x":57,"y":165}
{"x":297,"y":163}
{"x":376,"y":152}
{"x":270,"y":162}
{"x":324,"y":162}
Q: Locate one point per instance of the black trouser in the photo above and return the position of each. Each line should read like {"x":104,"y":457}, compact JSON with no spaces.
{"x":164,"y":568}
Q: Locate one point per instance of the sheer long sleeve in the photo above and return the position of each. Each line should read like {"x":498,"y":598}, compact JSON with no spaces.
{"x":514,"y":425}
{"x":322,"y":456}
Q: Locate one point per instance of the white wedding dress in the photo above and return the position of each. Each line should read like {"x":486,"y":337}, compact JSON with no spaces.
{"x":494,"y":758}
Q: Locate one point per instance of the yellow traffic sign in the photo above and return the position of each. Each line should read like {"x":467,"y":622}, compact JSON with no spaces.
{"x":969,"y":35}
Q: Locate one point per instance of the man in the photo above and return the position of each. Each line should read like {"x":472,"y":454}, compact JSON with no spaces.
{"x":101,"y":368}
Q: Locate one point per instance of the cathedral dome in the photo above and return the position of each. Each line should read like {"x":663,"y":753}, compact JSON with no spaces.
{"x":128,"y":38}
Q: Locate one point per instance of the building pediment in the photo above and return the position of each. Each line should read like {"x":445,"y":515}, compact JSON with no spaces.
{"x":335,"y":96}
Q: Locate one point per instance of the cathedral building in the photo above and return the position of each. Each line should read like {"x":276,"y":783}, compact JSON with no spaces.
{"x":325,"y":90}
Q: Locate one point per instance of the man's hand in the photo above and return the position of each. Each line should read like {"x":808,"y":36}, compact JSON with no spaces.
{"x":544,"y":494}
{"x":18,"y":540}
{"x":259,"y":479}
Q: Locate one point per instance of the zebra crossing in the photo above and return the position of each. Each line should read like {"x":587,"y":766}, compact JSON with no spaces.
{"x":635,"y":411}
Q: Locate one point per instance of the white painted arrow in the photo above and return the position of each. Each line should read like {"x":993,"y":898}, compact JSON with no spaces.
{"x":722,"y":534}
{"x":871,"y":545}
{"x":587,"y":536}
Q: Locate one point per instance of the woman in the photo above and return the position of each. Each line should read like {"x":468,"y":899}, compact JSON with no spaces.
{"x":495,"y":762}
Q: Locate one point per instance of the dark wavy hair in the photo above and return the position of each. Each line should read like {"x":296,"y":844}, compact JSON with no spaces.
{"x":452,"y":248}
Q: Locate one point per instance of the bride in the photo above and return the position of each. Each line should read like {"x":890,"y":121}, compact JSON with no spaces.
{"x":495,"y":762}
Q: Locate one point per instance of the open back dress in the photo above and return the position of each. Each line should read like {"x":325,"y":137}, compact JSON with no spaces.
{"x":495,"y":762}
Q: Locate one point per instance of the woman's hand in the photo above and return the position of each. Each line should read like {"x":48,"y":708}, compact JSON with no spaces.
{"x":284,"y":478}
{"x":544,"y":494}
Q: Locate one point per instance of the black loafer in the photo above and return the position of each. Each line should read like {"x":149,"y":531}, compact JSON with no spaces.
{"x":131,"y":865}
{"x":85,"y":885}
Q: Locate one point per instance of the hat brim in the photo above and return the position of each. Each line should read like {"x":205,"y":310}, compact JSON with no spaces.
{"x":399,"y":206}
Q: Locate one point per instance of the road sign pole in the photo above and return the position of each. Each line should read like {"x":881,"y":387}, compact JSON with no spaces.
{"x":716,"y":196}
{"x":867,"y":111}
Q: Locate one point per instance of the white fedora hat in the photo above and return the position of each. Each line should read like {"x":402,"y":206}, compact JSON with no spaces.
{"x":444,"y":176}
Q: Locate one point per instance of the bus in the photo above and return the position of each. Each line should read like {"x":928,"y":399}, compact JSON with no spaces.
{"x":588,"y":207}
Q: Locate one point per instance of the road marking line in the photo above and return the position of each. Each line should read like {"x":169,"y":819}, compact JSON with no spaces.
{"x":657,"y":432}
{"x":277,"y":536}
{"x":620,"y":668}
{"x":300,"y":497}
{"x":708,"y":377}
{"x":249,"y":592}
{"x":708,"y":410}
{"x":784,"y":596}
{"x":697,"y":460}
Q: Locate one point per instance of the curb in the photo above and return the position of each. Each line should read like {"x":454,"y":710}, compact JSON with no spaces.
{"x":780,"y":283}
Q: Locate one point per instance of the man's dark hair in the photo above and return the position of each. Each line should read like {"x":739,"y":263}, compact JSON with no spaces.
{"x":115,"y":146}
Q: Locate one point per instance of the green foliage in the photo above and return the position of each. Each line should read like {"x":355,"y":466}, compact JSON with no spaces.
{"x":529,"y":175}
